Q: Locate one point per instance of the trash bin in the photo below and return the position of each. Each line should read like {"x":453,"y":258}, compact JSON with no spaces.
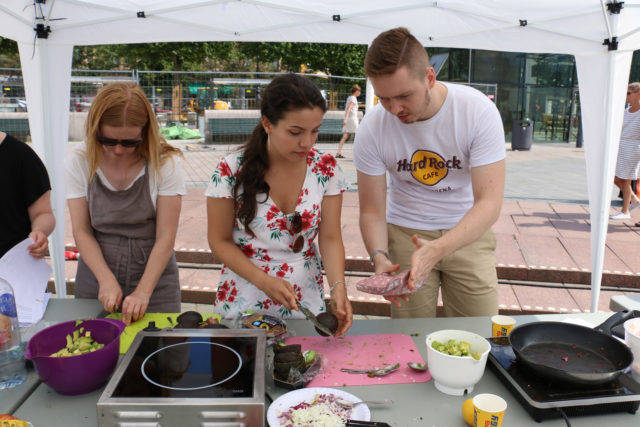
{"x":521,"y":134}
{"x":579,"y":137}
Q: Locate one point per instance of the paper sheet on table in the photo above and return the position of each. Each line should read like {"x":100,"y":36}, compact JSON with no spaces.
{"x":28,"y":277}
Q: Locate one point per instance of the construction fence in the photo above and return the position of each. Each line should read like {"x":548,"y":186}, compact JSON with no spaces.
{"x":185,"y":97}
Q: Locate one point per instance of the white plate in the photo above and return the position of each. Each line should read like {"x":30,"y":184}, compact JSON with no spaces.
{"x":286,"y":401}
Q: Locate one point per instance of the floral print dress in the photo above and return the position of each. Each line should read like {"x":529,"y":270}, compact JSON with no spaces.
{"x":271,"y":247}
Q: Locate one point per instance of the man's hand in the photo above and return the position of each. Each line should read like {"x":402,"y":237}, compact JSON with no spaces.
{"x":423,"y":260}
{"x":384,"y":265}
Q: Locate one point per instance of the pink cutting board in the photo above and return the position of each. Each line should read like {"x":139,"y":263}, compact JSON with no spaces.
{"x":363,"y":352}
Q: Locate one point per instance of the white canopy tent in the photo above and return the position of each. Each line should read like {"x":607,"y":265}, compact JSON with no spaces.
{"x":600,"y":33}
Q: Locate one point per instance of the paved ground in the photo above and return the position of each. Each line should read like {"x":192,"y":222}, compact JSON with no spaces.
{"x":543,"y":234}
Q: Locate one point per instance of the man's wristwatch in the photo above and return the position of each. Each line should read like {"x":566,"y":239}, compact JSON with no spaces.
{"x":376,"y":252}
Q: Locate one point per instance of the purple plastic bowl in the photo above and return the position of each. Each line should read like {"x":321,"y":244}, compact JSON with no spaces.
{"x":80,"y":374}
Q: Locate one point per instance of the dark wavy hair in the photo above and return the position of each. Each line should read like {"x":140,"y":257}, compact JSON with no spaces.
{"x":285,"y":93}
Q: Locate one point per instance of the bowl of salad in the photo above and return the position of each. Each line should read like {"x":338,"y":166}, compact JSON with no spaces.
{"x":456,"y":360}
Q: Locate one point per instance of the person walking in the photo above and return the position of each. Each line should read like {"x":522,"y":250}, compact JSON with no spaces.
{"x":124,"y":191}
{"x":443,"y":147}
{"x":267,"y":204}
{"x":350,"y":122}
{"x":629,"y":154}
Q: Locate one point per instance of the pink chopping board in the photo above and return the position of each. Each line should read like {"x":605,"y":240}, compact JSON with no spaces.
{"x":363,"y":352}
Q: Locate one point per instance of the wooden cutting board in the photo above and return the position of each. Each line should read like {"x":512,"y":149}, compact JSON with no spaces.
{"x":161,"y":319}
{"x":363,"y":352}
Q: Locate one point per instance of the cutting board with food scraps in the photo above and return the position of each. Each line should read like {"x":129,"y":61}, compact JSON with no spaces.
{"x":363,"y":352}
{"x":163,"y":320}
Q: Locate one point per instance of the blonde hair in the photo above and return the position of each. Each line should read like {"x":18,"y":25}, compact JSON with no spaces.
{"x":394,"y":49}
{"x":355,"y":88}
{"x":635,"y":87}
{"x":125,"y":104}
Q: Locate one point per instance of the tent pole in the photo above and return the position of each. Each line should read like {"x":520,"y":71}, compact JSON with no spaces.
{"x":46,"y":70}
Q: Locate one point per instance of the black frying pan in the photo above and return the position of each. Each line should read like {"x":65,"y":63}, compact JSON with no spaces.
{"x":572,"y":353}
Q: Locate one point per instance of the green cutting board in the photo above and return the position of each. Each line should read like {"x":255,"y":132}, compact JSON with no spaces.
{"x":161,"y":319}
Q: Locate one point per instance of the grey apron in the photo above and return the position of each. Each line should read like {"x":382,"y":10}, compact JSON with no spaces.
{"x":124,"y":224}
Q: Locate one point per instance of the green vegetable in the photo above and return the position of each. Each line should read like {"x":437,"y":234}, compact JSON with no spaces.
{"x":455,"y":348}
{"x":309,"y":356}
{"x":78,"y":342}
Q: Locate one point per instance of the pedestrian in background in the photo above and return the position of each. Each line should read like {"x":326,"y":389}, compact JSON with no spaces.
{"x":350,"y":122}
{"x":629,"y":154}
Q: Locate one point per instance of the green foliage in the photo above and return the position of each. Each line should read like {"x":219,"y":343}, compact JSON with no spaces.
{"x":337,"y":59}
{"x":9,"y":56}
{"x":151,"y":56}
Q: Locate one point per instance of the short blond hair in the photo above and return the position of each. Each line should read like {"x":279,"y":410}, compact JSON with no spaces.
{"x":393,"y":49}
{"x":635,"y":87}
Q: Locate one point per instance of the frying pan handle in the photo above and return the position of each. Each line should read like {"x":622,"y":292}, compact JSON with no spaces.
{"x":615,"y":320}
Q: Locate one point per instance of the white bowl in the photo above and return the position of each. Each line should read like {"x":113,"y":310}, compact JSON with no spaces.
{"x":456,"y":375}
{"x":632,"y":339}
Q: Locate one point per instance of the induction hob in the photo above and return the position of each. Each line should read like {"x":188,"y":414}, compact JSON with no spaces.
{"x":188,"y":377}
{"x":544,"y":399}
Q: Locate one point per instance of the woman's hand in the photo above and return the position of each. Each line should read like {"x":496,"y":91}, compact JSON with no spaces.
{"x":280,"y":291}
{"x":110,"y":295}
{"x":40,"y":245}
{"x":341,"y":308}
{"x":134,"y":306}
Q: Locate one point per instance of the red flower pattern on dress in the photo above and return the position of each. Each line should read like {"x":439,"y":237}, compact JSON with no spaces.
{"x":307,"y":219}
{"x":283,"y":224}
{"x":326,"y":165}
{"x":221,"y":295}
{"x":272,"y":212}
{"x":275,"y":234}
{"x":248,"y":250}
{"x":309,"y":252}
{"x":224,"y":169}
{"x":232,"y":295}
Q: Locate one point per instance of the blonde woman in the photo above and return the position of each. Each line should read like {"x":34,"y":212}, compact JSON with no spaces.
{"x":124,"y":189}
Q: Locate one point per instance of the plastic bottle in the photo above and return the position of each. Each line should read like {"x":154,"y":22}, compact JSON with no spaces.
{"x":12,"y":365}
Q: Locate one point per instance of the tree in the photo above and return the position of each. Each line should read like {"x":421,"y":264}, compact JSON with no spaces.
{"x":9,"y":56}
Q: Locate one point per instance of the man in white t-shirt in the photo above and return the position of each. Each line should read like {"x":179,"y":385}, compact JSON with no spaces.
{"x":444,"y":150}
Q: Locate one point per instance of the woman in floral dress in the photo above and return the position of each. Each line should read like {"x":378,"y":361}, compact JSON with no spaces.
{"x":267,"y":204}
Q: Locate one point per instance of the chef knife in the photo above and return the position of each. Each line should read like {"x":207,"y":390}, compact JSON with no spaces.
{"x":313,"y":319}
{"x":358,"y":423}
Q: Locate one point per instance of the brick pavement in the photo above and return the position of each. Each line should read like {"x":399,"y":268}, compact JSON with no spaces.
{"x":543,"y":235}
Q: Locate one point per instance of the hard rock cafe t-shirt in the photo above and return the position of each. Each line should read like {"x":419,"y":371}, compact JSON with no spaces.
{"x":429,"y":162}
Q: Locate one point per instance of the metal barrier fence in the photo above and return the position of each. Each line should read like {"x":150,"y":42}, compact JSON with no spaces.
{"x":184,"y":96}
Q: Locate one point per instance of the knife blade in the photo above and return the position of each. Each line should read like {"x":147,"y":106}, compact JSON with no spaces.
{"x":358,"y":423}
{"x":313,"y":319}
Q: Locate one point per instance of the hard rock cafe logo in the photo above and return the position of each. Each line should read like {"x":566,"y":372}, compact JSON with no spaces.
{"x":428,"y":167}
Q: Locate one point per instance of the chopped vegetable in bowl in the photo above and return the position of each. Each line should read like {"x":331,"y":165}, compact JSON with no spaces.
{"x":455,"y":348}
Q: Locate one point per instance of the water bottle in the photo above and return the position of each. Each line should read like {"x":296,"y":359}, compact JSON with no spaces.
{"x":13,"y":371}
